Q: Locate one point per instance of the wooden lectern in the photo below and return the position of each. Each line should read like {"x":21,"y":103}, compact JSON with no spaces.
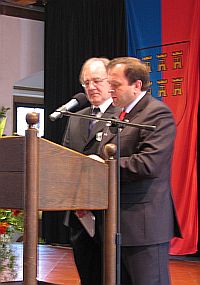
{"x":36,"y":174}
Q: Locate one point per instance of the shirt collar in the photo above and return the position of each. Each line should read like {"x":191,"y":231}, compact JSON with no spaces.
{"x":103,"y":107}
{"x":134,"y":102}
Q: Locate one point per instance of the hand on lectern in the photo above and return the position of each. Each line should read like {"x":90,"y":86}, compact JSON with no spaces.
{"x":96,"y":157}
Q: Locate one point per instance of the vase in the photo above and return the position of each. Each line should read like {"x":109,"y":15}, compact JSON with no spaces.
{"x":2,"y":125}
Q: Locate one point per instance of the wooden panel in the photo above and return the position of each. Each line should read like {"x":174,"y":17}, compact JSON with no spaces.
{"x":67,"y":179}
{"x":70,"y":180}
{"x":12,"y":172}
{"x":12,"y":193}
{"x":12,"y":154}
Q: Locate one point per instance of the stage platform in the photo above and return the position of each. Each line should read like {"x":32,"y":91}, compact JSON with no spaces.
{"x":55,"y":266}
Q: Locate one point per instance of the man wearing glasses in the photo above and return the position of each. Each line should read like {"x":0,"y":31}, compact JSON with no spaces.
{"x":84,"y":136}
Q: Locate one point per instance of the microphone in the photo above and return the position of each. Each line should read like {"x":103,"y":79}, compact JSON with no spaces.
{"x":79,"y":100}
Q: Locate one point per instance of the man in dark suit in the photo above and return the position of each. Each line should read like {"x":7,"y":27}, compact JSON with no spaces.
{"x":148,"y":219}
{"x":84,"y":136}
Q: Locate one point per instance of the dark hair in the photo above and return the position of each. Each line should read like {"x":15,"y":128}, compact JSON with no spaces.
{"x":134,"y":69}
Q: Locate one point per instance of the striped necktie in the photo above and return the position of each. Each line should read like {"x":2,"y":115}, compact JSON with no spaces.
{"x":94,"y":112}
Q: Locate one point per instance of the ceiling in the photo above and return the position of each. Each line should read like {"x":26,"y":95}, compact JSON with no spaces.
{"x":31,"y":9}
{"x":25,"y":3}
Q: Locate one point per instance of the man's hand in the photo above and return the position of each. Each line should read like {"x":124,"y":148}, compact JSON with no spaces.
{"x":81,"y":213}
{"x":96,"y":157}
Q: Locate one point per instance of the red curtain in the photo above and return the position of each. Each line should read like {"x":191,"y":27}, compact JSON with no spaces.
{"x":181,"y":25}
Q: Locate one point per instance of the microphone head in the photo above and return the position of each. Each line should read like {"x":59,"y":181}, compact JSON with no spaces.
{"x":78,"y":102}
{"x":82,"y":100}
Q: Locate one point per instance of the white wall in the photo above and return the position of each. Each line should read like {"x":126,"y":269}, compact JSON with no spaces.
{"x":21,"y":54}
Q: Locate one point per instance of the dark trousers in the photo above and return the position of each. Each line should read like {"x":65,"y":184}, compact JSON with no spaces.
{"x":145,"y":265}
{"x":88,"y":257}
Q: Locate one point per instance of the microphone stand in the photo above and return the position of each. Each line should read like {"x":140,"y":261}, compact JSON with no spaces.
{"x":112,"y":121}
{"x":118,"y":234}
{"x":115,"y":125}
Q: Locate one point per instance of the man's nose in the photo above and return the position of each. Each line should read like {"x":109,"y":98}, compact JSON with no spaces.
{"x":111,"y":90}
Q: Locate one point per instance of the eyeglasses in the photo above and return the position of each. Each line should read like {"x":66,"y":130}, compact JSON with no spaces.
{"x":95,"y":81}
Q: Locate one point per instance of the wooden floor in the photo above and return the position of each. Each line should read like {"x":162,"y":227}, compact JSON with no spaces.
{"x":56,"y":266}
{"x":185,"y":272}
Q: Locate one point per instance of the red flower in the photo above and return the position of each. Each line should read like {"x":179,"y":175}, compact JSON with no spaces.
{"x":3,"y":227}
{"x":16,"y":212}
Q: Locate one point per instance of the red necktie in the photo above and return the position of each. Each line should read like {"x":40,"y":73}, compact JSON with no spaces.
{"x":122,"y":115}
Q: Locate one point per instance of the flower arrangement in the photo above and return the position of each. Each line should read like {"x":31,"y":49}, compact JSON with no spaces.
{"x":7,"y":262}
{"x":11,"y":221}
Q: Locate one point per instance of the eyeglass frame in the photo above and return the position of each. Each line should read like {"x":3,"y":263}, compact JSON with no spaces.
{"x":95,"y":81}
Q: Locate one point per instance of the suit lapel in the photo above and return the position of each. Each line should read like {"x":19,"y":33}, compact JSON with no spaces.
{"x":138,"y":108}
{"x":84,"y":126}
{"x":99,"y":126}
{"x":107,"y":135}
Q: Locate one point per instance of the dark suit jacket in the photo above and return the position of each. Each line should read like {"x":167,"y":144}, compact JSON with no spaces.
{"x":76,"y":138}
{"x":76,"y":133}
{"x":147,"y":211}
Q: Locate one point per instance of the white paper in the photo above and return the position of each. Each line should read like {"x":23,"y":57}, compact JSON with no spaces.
{"x":88,"y":221}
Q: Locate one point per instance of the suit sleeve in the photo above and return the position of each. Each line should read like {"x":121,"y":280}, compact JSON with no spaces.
{"x":66,"y":136}
{"x":144,"y":154}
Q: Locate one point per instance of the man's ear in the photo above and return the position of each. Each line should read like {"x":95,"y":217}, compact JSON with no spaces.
{"x":138,"y":84}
